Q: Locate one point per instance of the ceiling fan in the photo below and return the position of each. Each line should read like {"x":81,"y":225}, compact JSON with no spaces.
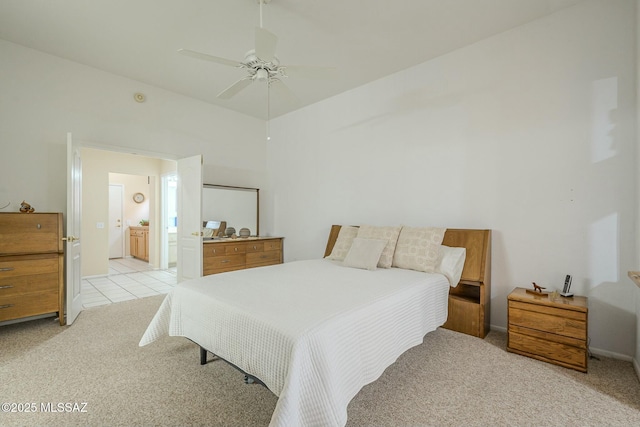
{"x":261,"y":64}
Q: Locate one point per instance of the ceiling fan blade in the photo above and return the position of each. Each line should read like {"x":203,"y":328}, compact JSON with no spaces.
{"x":309,"y":72}
{"x":266,"y":43}
{"x":282,"y":91}
{"x":232,"y":90}
{"x":198,"y":55}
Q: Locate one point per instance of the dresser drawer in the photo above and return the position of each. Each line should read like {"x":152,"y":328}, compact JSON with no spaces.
{"x":30,"y":233}
{"x":273,"y":245}
{"x":257,"y":259}
{"x":235,"y":248}
{"x":27,"y":265}
{"x":225,"y":262}
{"x":562,"y":322}
{"x":17,"y":306}
{"x":542,"y":349}
{"x":255,"y":247}
{"x":20,"y":285}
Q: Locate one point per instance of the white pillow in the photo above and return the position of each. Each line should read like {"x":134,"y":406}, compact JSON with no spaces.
{"x":451,"y":263}
{"x":364,"y":253}
{"x":418,"y":248}
{"x":343,"y":243}
{"x":390,"y":234}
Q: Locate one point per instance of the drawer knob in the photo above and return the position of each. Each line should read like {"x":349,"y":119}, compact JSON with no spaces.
{"x":6,"y":286}
{"x":254,"y":247}
{"x":235,"y":249}
{"x":6,"y":306}
{"x":224,"y":262}
{"x":6,"y":269}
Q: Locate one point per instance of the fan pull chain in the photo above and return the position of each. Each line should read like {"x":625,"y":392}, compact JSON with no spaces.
{"x":268,"y":107}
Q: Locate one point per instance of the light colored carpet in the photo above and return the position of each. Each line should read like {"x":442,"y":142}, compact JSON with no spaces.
{"x":449,"y":380}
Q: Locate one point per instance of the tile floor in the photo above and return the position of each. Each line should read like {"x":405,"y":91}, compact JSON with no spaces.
{"x":128,"y":279}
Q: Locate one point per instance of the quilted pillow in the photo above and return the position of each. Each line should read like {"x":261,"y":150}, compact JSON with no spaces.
{"x":343,"y":243}
{"x":364,"y":253}
{"x":418,"y":248}
{"x":451,"y":263}
{"x":390,"y":234}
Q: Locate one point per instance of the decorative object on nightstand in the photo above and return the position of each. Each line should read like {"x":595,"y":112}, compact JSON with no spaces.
{"x":553,"y":330}
{"x":537,"y":290}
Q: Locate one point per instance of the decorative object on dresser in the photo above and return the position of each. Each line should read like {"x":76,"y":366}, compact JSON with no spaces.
{"x":244,"y":232}
{"x":31,"y":265}
{"x":550,"y":329}
{"x":230,"y":231}
{"x":223,"y":255}
{"x":139,"y":242}
{"x":26,"y":207}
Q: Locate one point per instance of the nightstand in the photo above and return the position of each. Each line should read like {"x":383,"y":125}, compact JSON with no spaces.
{"x":551,"y":330}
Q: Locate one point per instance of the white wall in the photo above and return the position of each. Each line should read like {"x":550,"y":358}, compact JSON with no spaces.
{"x":636,"y":359}
{"x":530,"y":133}
{"x":43,"y":97}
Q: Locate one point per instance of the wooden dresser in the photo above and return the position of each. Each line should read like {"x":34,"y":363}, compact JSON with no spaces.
{"x":31,"y":265}
{"x":223,"y":255}
{"x":139,"y":242}
{"x":550,"y":329}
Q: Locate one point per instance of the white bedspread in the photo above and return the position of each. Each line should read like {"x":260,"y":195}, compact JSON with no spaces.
{"x":314,"y":332}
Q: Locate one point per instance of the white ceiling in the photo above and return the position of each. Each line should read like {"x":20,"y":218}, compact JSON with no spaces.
{"x":364,"y":39}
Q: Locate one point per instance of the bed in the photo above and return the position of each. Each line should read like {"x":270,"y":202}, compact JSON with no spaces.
{"x":313,"y":332}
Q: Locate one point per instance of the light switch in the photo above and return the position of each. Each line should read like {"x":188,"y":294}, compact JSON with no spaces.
{"x":99,"y":224}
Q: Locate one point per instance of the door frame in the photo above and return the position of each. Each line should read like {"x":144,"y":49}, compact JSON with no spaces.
{"x":80,"y":144}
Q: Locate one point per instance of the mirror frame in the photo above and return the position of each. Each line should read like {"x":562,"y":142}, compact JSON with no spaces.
{"x":232,"y":187}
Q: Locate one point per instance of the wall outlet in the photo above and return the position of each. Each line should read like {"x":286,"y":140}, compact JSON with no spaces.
{"x":99,"y":224}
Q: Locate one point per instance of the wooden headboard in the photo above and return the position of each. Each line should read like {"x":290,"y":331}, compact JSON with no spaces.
{"x":477,"y":266}
{"x":470,"y":301}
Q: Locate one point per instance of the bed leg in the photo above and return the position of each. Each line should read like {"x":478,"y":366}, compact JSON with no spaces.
{"x":203,"y":356}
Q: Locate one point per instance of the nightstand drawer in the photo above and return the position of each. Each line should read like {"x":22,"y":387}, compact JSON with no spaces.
{"x":548,"y":351}
{"x":550,"y":323}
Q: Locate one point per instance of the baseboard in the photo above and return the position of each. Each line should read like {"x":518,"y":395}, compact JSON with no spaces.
{"x":636,"y":367}
{"x":611,"y":354}
{"x":497,"y":328}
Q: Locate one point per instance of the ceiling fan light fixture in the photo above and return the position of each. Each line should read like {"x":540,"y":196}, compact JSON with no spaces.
{"x":262,"y":75}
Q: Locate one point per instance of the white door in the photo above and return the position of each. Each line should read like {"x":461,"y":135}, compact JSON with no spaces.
{"x":73,"y":239}
{"x":116,"y":230}
{"x":189,"y":263}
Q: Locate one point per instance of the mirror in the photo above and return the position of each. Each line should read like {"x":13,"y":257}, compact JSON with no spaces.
{"x":237,"y":206}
